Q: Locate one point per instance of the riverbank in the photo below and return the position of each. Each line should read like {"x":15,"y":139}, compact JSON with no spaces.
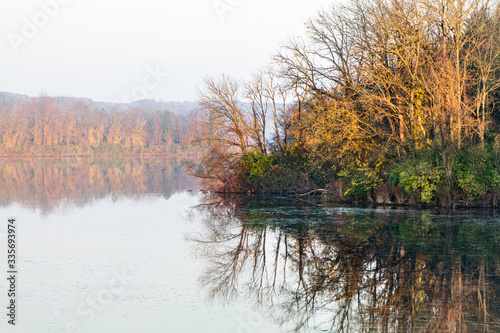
{"x":470,"y":180}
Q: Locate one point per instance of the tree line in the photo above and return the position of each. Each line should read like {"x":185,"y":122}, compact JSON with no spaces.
{"x":395,"y":94}
{"x":44,"y":126}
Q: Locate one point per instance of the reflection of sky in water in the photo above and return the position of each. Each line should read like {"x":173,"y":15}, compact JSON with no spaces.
{"x":82,"y":222}
{"x":76,"y":241}
{"x":66,"y":258}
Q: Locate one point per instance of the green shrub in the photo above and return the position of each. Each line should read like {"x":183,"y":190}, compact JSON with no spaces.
{"x":418,"y":175}
{"x":360,"y":179}
{"x":258,"y":165}
{"x":276,"y":173}
{"x":476,"y":172}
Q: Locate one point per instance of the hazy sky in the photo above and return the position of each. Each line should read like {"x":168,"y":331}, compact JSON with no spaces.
{"x":122,"y":49}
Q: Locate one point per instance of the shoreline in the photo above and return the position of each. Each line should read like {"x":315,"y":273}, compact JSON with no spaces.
{"x":325,"y":198}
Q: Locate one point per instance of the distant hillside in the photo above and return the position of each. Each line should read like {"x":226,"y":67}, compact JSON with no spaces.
{"x":152,"y":105}
{"x":11,"y":98}
{"x":179,"y":108}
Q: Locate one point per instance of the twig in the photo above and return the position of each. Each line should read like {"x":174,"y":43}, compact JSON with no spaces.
{"x":313,"y":192}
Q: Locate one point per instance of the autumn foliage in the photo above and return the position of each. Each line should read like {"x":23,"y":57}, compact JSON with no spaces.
{"x":40,"y":126}
{"x":392,"y":94}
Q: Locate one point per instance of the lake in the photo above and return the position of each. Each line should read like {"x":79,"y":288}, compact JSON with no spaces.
{"x":132,"y":245}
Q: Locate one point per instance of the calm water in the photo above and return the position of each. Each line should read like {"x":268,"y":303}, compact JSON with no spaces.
{"x":123,"y":245}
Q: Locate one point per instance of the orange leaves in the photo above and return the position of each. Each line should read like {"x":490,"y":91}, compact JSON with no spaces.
{"x":39,"y":126}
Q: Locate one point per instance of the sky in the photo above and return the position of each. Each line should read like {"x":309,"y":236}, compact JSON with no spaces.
{"x":125,"y":50}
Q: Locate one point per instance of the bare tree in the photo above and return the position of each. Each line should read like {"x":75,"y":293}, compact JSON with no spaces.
{"x":254,"y":91}
{"x":223,"y":119}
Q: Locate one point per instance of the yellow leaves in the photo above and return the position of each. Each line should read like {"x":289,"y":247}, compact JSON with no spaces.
{"x":419,"y":94}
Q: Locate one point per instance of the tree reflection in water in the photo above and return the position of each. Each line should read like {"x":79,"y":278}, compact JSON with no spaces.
{"x":49,"y":183}
{"x":353,"y":269}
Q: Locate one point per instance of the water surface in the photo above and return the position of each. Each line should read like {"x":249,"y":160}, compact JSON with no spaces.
{"x":130,"y":245}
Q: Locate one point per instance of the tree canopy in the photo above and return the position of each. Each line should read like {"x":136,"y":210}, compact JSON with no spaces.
{"x":374,"y":84}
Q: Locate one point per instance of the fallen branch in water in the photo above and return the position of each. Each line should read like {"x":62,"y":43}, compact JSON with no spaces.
{"x":313,"y":192}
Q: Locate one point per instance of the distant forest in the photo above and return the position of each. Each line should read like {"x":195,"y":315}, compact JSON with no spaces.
{"x":72,"y":126}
